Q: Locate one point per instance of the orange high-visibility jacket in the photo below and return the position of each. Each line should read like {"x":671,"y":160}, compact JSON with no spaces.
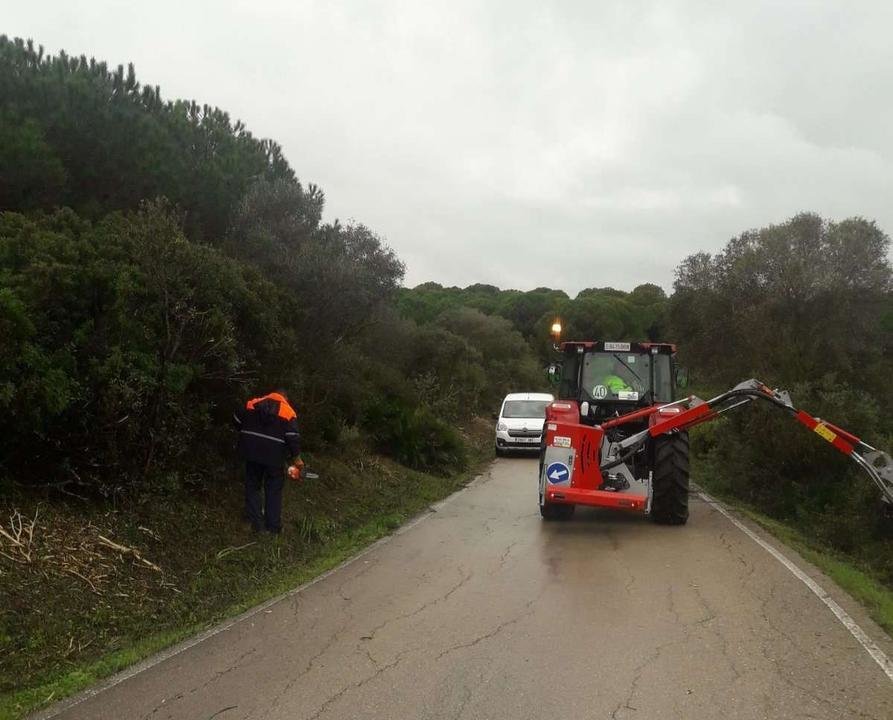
{"x":268,"y":430}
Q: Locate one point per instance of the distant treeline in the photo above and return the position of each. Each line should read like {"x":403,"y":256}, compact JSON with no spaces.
{"x":158,"y":264}
{"x":594,"y":313}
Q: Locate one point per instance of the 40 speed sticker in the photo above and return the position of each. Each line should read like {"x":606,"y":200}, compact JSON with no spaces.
{"x":561,"y":441}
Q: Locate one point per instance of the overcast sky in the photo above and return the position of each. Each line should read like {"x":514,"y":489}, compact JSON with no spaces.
{"x":568,"y":144}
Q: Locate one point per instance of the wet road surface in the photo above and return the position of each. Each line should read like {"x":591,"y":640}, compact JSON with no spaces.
{"x":481,"y":610}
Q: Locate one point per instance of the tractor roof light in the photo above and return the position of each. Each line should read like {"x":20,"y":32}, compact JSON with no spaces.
{"x":556,"y":334}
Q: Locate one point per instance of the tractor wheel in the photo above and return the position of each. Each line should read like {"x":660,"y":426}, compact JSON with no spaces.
{"x":669,"y":501}
{"x":551,"y":511}
{"x":554,"y":511}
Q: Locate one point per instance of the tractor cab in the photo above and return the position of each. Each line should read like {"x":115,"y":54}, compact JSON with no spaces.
{"x":614,"y":378}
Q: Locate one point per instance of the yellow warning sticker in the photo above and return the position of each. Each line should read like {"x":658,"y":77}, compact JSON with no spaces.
{"x":825,"y":432}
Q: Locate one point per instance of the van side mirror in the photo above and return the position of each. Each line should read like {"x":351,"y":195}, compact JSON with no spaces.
{"x":682,"y":377}
{"x":584,"y":409}
{"x":554,"y":372}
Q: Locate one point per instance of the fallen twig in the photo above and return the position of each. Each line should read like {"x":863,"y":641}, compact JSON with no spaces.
{"x":151,"y":533}
{"x":226,"y":551}
{"x":82,"y":577}
{"x":123,"y":549}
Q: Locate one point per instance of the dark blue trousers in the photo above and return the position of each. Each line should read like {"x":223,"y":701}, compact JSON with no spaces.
{"x":271,"y":479}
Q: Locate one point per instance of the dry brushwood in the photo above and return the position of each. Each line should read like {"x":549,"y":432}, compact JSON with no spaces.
{"x":20,"y":537}
{"x":58,"y":544}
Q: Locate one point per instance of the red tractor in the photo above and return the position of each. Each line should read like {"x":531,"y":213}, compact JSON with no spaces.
{"x":617,"y":437}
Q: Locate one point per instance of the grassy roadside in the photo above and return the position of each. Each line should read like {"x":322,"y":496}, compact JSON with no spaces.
{"x":79,"y":610}
{"x":857,"y":581}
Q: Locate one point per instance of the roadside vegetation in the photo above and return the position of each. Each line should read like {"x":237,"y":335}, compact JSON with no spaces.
{"x":159,"y":265}
{"x":805,"y":306}
{"x":99,"y":588}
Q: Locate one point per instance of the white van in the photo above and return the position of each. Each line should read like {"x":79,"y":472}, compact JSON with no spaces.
{"x":519,"y":425}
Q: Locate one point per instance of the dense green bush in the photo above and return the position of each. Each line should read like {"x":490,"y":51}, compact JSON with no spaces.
{"x":415,"y":437}
{"x":125,"y":337}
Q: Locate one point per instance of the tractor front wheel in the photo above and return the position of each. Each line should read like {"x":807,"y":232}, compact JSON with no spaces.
{"x":669,"y":500}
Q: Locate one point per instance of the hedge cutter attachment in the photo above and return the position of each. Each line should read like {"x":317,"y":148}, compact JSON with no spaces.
{"x":688,"y":412}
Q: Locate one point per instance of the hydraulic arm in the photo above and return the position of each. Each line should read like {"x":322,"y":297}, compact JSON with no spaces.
{"x":691,"y":411}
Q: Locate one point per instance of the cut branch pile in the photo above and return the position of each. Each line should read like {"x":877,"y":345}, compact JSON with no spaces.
{"x":82,"y":551}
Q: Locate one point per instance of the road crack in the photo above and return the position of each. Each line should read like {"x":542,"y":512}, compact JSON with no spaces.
{"x":492,"y":633}
{"x":332,"y":699}
{"x":236,"y":664}
{"x":505,"y":554}
{"x":465,"y":577}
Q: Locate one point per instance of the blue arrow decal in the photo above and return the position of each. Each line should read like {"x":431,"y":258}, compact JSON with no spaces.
{"x":558,"y":473}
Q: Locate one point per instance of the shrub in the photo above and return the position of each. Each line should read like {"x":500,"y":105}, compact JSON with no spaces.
{"x":415,"y":437}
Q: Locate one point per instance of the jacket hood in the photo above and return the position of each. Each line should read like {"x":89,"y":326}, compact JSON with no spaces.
{"x":273,"y":404}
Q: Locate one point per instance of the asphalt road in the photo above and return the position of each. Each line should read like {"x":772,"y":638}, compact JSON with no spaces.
{"x":480,"y":610}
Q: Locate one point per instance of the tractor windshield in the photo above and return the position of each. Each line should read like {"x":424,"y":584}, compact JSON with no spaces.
{"x":626,"y":377}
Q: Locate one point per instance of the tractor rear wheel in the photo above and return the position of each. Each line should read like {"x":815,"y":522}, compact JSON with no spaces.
{"x":669,"y":500}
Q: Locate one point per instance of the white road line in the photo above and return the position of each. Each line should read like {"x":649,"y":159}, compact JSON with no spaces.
{"x":857,"y":632}
{"x":162,"y":656}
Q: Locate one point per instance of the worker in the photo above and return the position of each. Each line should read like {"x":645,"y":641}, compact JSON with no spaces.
{"x":268,"y":437}
{"x":602,"y":370}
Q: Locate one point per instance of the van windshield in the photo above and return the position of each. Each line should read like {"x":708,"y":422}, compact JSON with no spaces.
{"x":525,"y":408}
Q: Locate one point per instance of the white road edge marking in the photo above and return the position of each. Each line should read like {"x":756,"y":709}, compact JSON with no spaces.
{"x":100,"y":687}
{"x":846,"y":620}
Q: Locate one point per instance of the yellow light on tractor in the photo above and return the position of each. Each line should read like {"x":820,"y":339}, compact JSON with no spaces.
{"x":556,"y":333}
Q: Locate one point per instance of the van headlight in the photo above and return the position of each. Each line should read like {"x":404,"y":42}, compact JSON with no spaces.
{"x":501,"y":427}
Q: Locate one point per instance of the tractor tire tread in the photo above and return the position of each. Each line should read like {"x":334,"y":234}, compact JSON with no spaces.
{"x":670,"y":480}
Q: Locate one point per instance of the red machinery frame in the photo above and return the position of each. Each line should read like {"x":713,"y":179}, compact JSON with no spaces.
{"x":589,"y":458}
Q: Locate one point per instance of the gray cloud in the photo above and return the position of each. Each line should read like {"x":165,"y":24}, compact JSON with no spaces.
{"x":571,"y":144}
